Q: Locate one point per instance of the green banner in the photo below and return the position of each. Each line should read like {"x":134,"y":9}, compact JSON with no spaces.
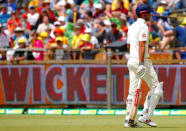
{"x":11,"y":111}
{"x":88,"y":111}
{"x":2,"y":111}
{"x":71,"y":111}
{"x":53,"y":111}
{"x":39,"y":111}
{"x":178,"y":112}
{"x":106,"y":112}
{"x":32,"y":111}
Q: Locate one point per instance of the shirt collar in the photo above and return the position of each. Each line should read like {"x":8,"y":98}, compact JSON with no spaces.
{"x":141,"y":20}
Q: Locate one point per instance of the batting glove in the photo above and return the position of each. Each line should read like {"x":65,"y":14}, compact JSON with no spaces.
{"x":141,"y":71}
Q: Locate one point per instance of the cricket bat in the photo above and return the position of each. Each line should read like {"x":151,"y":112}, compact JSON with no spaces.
{"x":135,"y":103}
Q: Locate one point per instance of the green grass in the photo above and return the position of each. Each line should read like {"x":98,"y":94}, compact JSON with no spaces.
{"x":84,"y":123}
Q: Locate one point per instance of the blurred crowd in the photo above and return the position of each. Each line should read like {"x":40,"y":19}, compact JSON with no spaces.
{"x":70,"y":29}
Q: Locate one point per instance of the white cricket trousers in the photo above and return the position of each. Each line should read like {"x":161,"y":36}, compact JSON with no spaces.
{"x":150,"y":78}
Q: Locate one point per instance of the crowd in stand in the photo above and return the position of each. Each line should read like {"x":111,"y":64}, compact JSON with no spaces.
{"x":66,"y":29}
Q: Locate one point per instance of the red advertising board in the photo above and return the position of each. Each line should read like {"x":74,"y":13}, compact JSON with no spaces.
{"x":82,"y":84}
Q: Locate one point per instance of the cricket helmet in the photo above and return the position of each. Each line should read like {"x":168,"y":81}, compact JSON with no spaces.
{"x":143,"y":9}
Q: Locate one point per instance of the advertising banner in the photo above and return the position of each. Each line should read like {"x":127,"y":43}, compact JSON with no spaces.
{"x":82,"y":84}
{"x":59,"y":111}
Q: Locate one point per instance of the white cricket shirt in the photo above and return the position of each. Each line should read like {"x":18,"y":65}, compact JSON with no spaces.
{"x":137,"y":32}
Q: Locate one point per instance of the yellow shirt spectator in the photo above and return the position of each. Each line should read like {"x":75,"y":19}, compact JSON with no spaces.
{"x":64,"y":40}
{"x":34,"y":3}
{"x":126,"y":4}
{"x":76,"y":41}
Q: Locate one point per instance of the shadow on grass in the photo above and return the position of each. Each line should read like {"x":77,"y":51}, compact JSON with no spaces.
{"x":163,"y":127}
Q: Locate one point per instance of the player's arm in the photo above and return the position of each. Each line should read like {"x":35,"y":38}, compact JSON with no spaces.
{"x":142,"y":41}
{"x":141,"y":51}
{"x":143,"y":38}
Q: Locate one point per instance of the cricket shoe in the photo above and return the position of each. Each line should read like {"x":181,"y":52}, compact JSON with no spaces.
{"x":148,"y":122}
{"x":136,"y":125}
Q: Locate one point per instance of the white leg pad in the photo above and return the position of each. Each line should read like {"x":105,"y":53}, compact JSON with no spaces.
{"x":152,"y":100}
{"x":129,"y":104}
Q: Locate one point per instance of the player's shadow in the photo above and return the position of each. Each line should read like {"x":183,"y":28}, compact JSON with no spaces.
{"x":162,"y":127}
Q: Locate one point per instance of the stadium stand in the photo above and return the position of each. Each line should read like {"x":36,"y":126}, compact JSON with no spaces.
{"x":81,"y":29}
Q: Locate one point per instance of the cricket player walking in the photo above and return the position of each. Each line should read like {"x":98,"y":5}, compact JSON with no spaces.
{"x":140,"y":68}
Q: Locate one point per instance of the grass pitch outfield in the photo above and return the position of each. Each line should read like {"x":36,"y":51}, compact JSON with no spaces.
{"x":84,"y":123}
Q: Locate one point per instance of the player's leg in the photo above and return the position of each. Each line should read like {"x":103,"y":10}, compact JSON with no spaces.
{"x":132,"y":66}
{"x":153,"y":96}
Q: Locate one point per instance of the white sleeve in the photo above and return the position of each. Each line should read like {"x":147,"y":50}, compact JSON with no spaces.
{"x":8,"y":35}
{"x":143,"y":34}
{"x":39,"y":29}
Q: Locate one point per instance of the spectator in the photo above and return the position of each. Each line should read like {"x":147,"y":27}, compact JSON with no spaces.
{"x":101,"y":34}
{"x":33,"y":17}
{"x":68,"y":14}
{"x":81,"y":23}
{"x":34,"y":37}
{"x":19,"y":55}
{"x":94,"y":42}
{"x":38,"y":44}
{"x":4,"y":15}
{"x":86,"y":47}
{"x":124,"y":28}
{"x":77,"y":37}
{"x":76,"y":42}
{"x":19,"y":34}
{"x":35,"y":3}
{"x":59,"y":9}
{"x":57,"y":25}
{"x":108,"y":9}
{"x":46,"y":6}
{"x":166,"y":30}
{"x":114,"y":34}
{"x":45,"y":26}
{"x":26,"y":25}
{"x":75,"y":16}
{"x":180,"y":35}
{"x":5,"y":41}
{"x":59,"y":32}
{"x":92,"y":18}
{"x":120,"y":7}
{"x":107,"y":26}
{"x":21,"y":3}
{"x":98,"y":10}
{"x":13,"y":22}
{"x":62,"y":21}
{"x":88,"y":7}
{"x":60,"y":54}
{"x":133,"y":16}
{"x":41,"y":15}
{"x":118,"y":3}
{"x":93,"y":39}
{"x":88,"y":2}
{"x":11,"y":5}
{"x":88,"y":20}
{"x":44,"y":37}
